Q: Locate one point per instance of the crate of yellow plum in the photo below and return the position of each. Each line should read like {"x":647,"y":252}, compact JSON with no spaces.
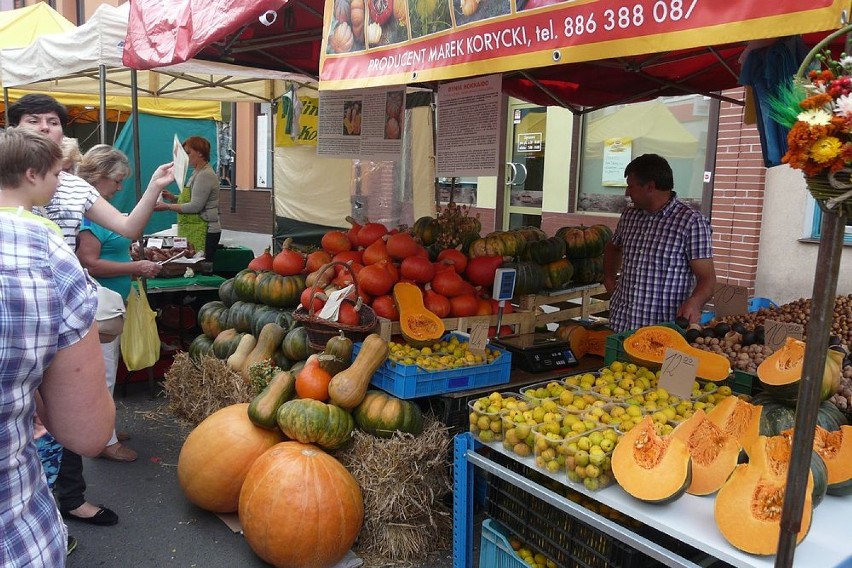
{"x":445,"y":366}
{"x":485,"y":414}
{"x":588,"y":457}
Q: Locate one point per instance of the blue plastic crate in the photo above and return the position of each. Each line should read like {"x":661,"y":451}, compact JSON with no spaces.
{"x":495,"y":550}
{"x":754,"y":304}
{"x":411,"y":381}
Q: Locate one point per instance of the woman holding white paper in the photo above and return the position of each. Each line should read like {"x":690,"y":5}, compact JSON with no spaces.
{"x":198,"y":204}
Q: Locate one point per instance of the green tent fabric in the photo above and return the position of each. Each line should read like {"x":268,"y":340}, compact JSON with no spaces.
{"x":155,"y":141}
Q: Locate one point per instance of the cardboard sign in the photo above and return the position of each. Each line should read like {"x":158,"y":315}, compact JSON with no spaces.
{"x":179,"y":242}
{"x":158,"y":242}
{"x":775,"y":333}
{"x":331,"y":309}
{"x":730,"y":300}
{"x":478,"y":334}
{"x":678,"y":373}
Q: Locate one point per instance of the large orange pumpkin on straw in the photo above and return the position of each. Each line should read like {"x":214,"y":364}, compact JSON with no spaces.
{"x":217,"y":455}
{"x":300,"y":507}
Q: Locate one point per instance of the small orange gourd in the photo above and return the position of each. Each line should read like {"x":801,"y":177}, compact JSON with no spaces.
{"x":312,"y":380}
{"x":348,"y":387}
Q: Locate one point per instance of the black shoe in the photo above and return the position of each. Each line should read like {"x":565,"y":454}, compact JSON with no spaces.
{"x":103,"y":518}
{"x":72,"y":545}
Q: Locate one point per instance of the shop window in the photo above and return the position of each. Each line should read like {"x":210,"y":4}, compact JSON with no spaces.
{"x":674,"y":127}
{"x":815,"y":214}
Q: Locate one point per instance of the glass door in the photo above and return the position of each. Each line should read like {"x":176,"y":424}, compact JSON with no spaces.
{"x":525,"y":166}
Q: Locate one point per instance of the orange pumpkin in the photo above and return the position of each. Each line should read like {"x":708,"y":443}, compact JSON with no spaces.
{"x":217,"y":455}
{"x":312,"y":380}
{"x":300,"y":507}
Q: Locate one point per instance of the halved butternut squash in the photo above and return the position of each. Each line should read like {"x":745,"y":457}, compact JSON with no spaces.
{"x":419,"y":326}
{"x":738,"y":418}
{"x":647,"y":346}
{"x":748,"y":506}
{"x":650,"y":467}
{"x":714,"y":453}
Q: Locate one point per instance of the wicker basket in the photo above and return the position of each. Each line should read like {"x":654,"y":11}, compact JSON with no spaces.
{"x":829,"y":190}
{"x":321,"y":330}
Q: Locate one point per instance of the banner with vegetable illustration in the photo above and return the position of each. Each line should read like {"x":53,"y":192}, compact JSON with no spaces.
{"x":391,"y":42}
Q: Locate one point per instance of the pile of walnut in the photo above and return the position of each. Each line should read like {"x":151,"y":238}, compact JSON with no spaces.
{"x":744,"y":358}
{"x":157,"y":254}
{"x":842,"y":399}
{"x":798,"y":311}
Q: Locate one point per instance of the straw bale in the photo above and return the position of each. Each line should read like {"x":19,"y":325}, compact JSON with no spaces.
{"x":197,"y":389}
{"x":404,"y":480}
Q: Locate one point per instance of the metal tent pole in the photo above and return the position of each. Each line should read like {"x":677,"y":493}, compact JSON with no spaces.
{"x":822,"y":310}
{"x":6,"y":107}
{"x":134,"y":117}
{"x":102,"y":111}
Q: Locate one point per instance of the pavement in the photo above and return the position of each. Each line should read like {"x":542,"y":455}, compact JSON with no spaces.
{"x":158,"y":527}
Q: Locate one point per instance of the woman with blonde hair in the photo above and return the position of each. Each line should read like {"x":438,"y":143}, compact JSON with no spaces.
{"x":71,"y":154}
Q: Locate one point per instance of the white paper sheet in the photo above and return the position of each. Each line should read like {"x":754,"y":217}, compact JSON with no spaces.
{"x":181,"y":161}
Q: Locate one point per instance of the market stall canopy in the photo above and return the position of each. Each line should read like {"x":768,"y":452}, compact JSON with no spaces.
{"x":596,"y":54}
{"x":69,"y":63}
{"x":23,"y":26}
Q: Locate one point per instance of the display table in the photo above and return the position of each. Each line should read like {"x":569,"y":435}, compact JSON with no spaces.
{"x":688,"y":519}
{"x":197,"y":282}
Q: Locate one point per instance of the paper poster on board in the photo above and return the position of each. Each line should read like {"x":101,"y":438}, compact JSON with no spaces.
{"x":362,"y":124}
{"x":469,"y":127}
{"x":617,"y":153}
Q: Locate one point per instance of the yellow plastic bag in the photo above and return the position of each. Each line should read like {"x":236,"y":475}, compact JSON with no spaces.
{"x":140,"y":342}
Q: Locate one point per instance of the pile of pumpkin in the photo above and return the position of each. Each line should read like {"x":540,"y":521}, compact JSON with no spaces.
{"x":703,"y":454}
{"x":268,"y":459}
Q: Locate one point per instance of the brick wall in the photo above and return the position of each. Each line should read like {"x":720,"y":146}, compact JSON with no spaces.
{"x":253,"y":210}
{"x":738,"y":193}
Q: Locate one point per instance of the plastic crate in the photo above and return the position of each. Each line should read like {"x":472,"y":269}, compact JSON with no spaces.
{"x":495,"y":550}
{"x":615,"y":343}
{"x":566,"y":540}
{"x":754,"y":305}
{"x":411,"y":381}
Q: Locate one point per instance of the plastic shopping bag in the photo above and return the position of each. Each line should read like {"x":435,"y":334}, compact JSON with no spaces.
{"x":140,"y":342}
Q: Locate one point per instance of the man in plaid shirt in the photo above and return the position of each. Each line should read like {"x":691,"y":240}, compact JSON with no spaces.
{"x":663,"y":249}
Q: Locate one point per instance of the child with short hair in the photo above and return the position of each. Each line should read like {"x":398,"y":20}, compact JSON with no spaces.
{"x":29,"y":173}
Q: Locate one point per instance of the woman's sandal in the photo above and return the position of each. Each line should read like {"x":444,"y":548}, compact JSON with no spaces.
{"x":118,"y":452}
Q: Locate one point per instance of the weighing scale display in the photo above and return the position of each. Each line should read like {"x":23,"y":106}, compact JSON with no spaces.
{"x":538,"y":352}
{"x":504,"y":284}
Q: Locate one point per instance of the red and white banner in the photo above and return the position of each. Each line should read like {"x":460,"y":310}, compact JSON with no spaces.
{"x":385,"y":42}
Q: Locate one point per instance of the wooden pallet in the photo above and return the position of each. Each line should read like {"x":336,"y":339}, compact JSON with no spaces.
{"x":582,"y":302}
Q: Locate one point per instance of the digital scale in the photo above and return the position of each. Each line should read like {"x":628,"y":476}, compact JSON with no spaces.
{"x":537,"y":352}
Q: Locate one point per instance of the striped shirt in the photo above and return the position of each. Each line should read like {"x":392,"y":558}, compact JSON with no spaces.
{"x":46,"y":304}
{"x":656,"y":250}
{"x":73,"y":198}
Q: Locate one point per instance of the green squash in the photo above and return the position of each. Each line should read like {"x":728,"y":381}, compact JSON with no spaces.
{"x":213,"y":317}
{"x":200,"y":346}
{"x":381,"y":414}
{"x":263,"y":410}
{"x":295,"y":344}
{"x":426,"y":229}
{"x":279,"y":291}
{"x":544,"y":251}
{"x":558,"y":274}
{"x":587,"y":270}
{"x":227,"y":293}
{"x":584,"y":242}
{"x":314,"y":422}
{"x":226,"y":343}
{"x":240,"y":316}
{"x":244,"y":285}
{"x":530,"y":277}
{"x":264,"y":314}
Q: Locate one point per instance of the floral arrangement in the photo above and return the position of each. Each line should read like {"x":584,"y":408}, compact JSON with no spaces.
{"x":818,"y":112}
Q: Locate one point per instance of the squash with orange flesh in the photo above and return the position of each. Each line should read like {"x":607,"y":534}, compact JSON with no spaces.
{"x":419,"y":326}
{"x":748,"y":506}
{"x":647,"y":347}
{"x":738,"y":418}
{"x":650,"y":467}
{"x":780,"y":373}
{"x":714,"y":453}
{"x":583,"y":339}
{"x":835,"y":449}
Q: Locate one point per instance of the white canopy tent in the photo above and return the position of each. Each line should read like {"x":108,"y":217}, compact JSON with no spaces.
{"x":88,"y":60}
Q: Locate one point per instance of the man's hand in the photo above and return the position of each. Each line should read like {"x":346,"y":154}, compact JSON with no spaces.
{"x":691,"y":310}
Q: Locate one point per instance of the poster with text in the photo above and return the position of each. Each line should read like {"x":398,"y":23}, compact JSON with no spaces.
{"x":617,"y":153}
{"x":400,"y":42}
{"x":469,"y":127}
{"x":362,"y":124}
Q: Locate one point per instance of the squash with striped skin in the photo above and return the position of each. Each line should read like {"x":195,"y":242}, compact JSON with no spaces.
{"x":381,"y":414}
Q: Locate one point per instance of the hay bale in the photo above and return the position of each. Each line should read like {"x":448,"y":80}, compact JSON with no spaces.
{"x":197,"y":389}
{"x":404,"y":481}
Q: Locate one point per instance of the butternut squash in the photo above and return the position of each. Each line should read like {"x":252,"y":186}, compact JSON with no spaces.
{"x":237,"y":359}
{"x":263,"y":410}
{"x":418,"y":325}
{"x":267,"y":343}
{"x":348,"y":387}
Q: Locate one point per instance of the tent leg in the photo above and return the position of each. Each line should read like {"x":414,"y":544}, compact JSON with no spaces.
{"x":822,"y":311}
{"x":134,"y":117}
{"x":6,"y":107}
{"x":102,"y":111}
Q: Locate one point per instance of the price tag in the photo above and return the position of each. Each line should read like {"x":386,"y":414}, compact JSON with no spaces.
{"x":478,"y":334}
{"x":775,"y":333}
{"x":179,"y":242}
{"x":678,"y":373}
{"x":331,"y":309}
{"x":155,"y":242}
{"x":730,"y":300}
